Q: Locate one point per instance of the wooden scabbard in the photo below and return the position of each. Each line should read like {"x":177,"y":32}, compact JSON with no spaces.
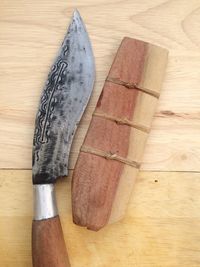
{"x":112,"y":151}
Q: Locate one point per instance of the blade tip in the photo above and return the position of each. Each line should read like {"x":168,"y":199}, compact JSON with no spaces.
{"x":76,"y":13}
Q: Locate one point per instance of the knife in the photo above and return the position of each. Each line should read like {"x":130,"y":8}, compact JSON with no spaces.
{"x":64,"y":98}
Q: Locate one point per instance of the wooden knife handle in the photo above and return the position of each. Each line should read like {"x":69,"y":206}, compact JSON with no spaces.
{"x":48,"y":245}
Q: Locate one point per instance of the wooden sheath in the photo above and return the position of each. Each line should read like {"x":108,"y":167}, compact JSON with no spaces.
{"x":112,"y":151}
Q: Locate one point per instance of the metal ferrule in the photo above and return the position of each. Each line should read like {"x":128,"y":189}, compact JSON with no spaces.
{"x":45,"y":206}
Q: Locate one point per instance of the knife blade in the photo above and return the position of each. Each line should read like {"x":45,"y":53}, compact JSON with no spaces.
{"x":63,"y":101}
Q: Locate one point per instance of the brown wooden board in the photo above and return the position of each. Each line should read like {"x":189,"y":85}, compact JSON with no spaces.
{"x":112,"y":151}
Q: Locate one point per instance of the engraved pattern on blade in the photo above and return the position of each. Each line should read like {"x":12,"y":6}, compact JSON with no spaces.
{"x":62,"y":103}
{"x":48,"y":102}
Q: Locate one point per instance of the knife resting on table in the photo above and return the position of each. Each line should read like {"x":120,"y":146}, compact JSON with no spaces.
{"x":64,"y":98}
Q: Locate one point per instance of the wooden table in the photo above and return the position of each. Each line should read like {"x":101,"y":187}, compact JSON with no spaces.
{"x":161,"y":228}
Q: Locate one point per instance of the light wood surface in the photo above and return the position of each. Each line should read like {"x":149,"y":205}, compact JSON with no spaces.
{"x":161,"y":227}
{"x":31,"y":32}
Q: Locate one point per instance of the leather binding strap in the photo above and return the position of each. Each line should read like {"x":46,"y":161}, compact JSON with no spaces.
{"x":110,"y":157}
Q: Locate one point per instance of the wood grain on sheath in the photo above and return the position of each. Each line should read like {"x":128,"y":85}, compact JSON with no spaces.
{"x":48,"y":244}
{"x":112,"y":151}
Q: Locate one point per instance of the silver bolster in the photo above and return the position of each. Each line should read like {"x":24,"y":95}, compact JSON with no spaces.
{"x":44,"y":202}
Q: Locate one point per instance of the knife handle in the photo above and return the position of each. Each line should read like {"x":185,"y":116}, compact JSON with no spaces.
{"x":48,"y":245}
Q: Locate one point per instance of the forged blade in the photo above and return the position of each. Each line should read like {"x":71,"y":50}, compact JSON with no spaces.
{"x":64,"y":98}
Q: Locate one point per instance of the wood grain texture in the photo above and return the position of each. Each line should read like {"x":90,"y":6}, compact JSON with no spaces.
{"x":161,"y":227}
{"x":162,"y":219}
{"x":31,"y":33}
{"x":48,"y":245}
{"x":117,"y":134}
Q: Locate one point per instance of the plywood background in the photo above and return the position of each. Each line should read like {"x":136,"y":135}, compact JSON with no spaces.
{"x":161,"y":228}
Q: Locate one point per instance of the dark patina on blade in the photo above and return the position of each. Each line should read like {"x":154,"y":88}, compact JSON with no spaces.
{"x":64,"y":98}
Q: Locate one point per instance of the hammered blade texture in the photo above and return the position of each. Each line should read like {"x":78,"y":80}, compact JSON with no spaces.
{"x":64,"y":98}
